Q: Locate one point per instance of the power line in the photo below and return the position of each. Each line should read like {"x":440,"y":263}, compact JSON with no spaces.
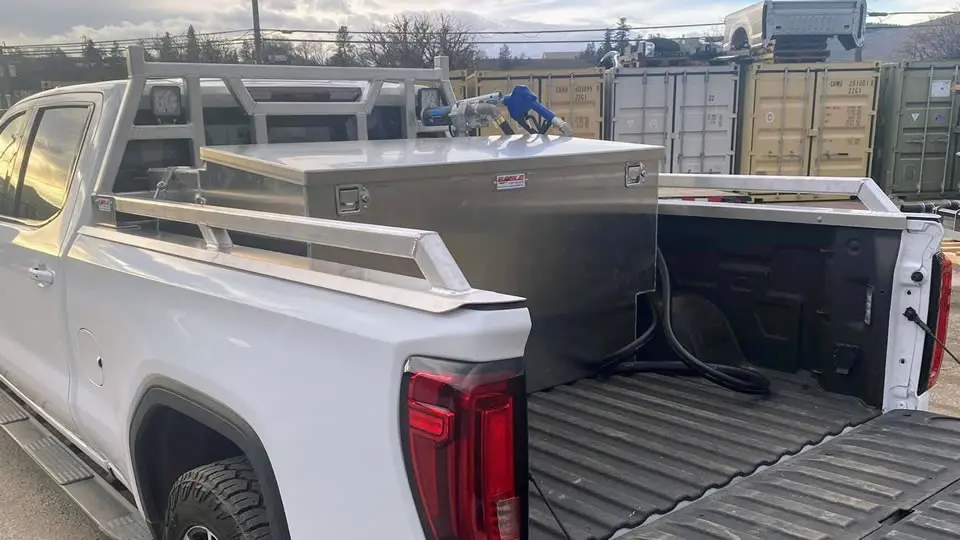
{"x":505,"y":32}
{"x":125,"y":41}
{"x":437,"y":42}
{"x":892,"y":13}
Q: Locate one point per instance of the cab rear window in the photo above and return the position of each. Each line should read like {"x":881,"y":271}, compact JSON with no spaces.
{"x":225,"y":126}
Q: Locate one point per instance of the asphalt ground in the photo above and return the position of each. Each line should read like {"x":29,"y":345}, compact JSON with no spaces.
{"x":32,"y":507}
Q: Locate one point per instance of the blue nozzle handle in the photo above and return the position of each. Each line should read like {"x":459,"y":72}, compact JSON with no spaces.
{"x":521,"y":101}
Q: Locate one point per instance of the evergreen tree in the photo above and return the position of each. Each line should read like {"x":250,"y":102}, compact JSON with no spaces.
{"x":92,"y":55}
{"x":345,"y":50}
{"x":193,"y":46}
{"x":115,"y":52}
{"x":505,"y":57}
{"x":622,"y":35}
{"x":167,"y":48}
{"x":590,"y":53}
{"x":608,"y":44}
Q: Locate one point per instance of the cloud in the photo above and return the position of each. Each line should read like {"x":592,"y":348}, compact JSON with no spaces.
{"x":59,"y":21}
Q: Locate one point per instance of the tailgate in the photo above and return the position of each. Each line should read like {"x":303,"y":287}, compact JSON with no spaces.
{"x":896,"y":477}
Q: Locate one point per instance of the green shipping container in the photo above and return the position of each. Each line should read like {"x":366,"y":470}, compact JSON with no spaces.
{"x":918,"y":130}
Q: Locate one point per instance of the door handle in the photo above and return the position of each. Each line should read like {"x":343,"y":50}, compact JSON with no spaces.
{"x":42,"y":275}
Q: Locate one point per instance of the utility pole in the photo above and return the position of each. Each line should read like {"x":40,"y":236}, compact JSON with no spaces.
{"x":6,"y":84}
{"x":257,"y":34}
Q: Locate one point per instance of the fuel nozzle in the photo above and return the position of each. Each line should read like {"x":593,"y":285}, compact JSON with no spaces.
{"x":467,"y":115}
{"x":521,"y":101}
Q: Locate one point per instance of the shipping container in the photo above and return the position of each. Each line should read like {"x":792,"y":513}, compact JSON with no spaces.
{"x":575,"y":95}
{"x":691,"y":111}
{"x":461,"y":81}
{"x":919,"y":130}
{"x":809,"y":119}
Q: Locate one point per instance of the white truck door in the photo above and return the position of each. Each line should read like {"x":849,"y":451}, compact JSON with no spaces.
{"x":33,"y":220}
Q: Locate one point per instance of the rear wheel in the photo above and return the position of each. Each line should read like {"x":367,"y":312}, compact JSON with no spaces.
{"x":219,"y":501}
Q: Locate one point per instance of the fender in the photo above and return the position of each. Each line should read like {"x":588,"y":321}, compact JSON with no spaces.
{"x":162,"y":392}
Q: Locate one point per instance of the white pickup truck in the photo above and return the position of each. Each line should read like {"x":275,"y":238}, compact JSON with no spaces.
{"x":206,"y":332}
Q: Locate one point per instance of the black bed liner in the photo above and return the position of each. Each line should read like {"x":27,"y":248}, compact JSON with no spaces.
{"x":611,"y":453}
{"x":895,"y":478}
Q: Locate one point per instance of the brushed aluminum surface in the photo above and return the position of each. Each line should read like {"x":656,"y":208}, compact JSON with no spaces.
{"x":556,"y":220}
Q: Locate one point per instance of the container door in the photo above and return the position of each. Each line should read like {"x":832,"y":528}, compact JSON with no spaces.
{"x":705,"y":116}
{"x":925,"y":151}
{"x":576,"y":97}
{"x":780,"y":123}
{"x":643,"y":109}
{"x":843,"y":129}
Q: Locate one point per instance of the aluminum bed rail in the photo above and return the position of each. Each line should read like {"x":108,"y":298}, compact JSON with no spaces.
{"x":444,"y":287}
{"x":880,"y":211}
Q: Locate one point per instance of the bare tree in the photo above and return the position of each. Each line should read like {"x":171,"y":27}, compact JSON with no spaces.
{"x":938,"y":39}
{"x":218,"y":51}
{"x":308,"y":53}
{"x":413,"y":40}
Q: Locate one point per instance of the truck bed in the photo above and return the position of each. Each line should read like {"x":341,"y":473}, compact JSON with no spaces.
{"x":611,"y":453}
{"x":897,"y":477}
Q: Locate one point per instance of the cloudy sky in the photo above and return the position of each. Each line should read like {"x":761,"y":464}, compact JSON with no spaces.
{"x":56,"y":21}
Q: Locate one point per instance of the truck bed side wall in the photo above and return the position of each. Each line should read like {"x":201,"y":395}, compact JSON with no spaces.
{"x":315,"y":373}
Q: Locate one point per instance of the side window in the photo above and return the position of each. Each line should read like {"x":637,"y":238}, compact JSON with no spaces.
{"x":10,"y":135}
{"x":50,"y":157}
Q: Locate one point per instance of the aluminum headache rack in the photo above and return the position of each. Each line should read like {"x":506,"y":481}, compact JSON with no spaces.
{"x":442,"y":288}
{"x":879,"y":211}
{"x":140,"y":71}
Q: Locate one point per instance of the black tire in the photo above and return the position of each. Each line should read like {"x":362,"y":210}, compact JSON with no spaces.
{"x":224,"y":497}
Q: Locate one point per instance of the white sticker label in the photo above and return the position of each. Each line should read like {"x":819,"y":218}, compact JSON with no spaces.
{"x":770,"y":117}
{"x":940,"y":89}
{"x":104,"y":204}
{"x":915,"y":116}
{"x":510,"y":181}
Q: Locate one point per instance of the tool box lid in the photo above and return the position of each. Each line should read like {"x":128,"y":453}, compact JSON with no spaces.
{"x":324,"y":162}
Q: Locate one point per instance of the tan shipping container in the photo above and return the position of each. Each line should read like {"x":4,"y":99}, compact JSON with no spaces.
{"x":809,"y":119}
{"x":460,"y":80}
{"x":574,"y":95}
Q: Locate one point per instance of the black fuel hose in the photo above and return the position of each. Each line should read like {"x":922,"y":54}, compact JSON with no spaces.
{"x":738,"y":379}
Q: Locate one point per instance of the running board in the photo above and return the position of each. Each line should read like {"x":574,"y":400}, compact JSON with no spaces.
{"x":110,"y":511}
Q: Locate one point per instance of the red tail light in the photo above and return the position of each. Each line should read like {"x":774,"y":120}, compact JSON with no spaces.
{"x":464,"y":445}
{"x":943,"y":317}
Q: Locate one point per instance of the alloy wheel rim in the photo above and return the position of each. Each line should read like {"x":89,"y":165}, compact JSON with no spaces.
{"x":199,"y":532}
